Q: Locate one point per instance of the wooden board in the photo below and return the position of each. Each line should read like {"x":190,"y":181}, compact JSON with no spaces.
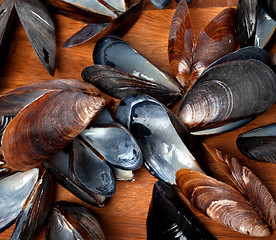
{"x":124,"y":216}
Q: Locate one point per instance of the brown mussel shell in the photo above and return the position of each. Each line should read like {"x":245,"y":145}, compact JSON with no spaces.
{"x":188,"y":57}
{"x":248,"y":184}
{"x":46,"y":126}
{"x":221,"y":202}
{"x":14,"y":101}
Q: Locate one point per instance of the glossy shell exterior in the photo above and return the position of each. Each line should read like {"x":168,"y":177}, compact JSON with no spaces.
{"x":259,"y":144}
{"x":165,"y":149}
{"x":215,"y":100}
{"x":120,"y":84}
{"x":171,"y":218}
{"x":113,"y":51}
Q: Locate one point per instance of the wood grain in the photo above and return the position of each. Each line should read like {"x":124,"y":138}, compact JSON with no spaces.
{"x":124,"y":216}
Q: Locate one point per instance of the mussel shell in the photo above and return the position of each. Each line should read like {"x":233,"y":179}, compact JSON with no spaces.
{"x":245,"y":53}
{"x":246,"y":22}
{"x":114,"y":52}
{"x":120,"y":84}
{"x":93,"y":6}
{"x":12,"y":102}
{"x":77,"y":13}
{"x":67,"y":172}
{"x":166,"y":144}
{"x":160,"y":4}
{"x":270,"y":7}
{"x":259,"y":144}
{"x":247,"y":183}
{"x":15,"y":189}
{"x":7,"y":20}
{"x":4,"y":121}
{"x":188,"y":58}
{"x":119,"y":27}
{"x":40,"y":29}
{"x":171,"y":218}
{"x":116,"y":144}
{"x":228,"y":93}
{"x":91,"y":171}
{"x":265,"y":28}
{"x":27,"y":143}
{"x":35,"y":210}
{"x":73,"y":221}
{"x":221,"y":203}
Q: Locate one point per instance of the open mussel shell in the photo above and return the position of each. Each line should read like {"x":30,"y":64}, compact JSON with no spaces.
{"x":36,"y":209}
{"x":171,"y":218}
{"x":119,"y":84}
{"x":82,"y":172}
{"x":166,"y":144}
{"x":227,"y":96}
{"x":188,"y":58}
{"x":73,"y":221}
{"x":14,"y":190}
{"x":7,"y":20}
{"x":119,"y":26}
{"x":116,"y":144}
{"x":247,"y":183}
{"x":259,"y":144}
{"x":221,"y":203}
{"x":27,"y":143}
{"x":246,"y":22}
{"x":113,"y":51}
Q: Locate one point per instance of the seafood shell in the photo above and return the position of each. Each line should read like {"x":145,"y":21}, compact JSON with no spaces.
{"x":221,"y":203}
{"x":120,"y":84}
{"x":259,"y":144}
{"x":171,"y":218}
{"x":27,"y":143}
{"x":15,"y":189}
{"x":248,"y":184}
{"x":166,"y":144}
{"x":188,"y":58}
{"x":73,"y":221}
{"x":35,"y":210}
{"x":227,"y":96}
{"x":114,"y":52}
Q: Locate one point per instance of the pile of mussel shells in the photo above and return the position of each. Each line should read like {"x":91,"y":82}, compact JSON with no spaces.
{"x":64,"y":125}
{"x":62,"y":130}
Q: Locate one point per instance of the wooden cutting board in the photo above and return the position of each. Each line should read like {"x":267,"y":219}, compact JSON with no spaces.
{"x":124,"y":216}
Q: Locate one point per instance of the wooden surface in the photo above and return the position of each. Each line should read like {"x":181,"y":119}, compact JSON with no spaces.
{"x":124,"y":216}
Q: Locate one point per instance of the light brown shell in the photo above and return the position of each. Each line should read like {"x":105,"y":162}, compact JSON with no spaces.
{"x":248,"y":183}
{"x":221,"y":202}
